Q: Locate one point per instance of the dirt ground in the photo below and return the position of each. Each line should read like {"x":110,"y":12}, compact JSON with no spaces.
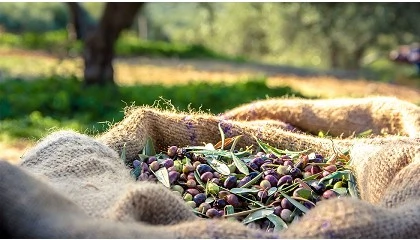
{"x":177,"y":71}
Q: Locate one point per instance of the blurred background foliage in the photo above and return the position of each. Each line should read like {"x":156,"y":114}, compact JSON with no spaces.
{"x":320,"y":36}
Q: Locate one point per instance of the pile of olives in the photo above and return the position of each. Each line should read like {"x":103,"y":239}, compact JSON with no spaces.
{"x":278,"y":189}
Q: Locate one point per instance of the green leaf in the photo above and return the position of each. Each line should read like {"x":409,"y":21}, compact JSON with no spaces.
{"x":269,"y":149}
{"x":162,"y":176}
{"x":297,"y":204}
{"x":232,"y":148}
{"x":342,"y":191}
{"x":279,"y":224}
{"x":260,"y":214}
{"x":304,"y":193}
{"x":209,"y":199}
{"x":243,"y":190}
{"x":271,"y":191}
{"x":336,"y":175}
{"x":229,"y":209}
{"x":218,"y":166}
{"x":143,"y":157}
{"x":240,"y":165}
{"x":253,"y":181}
{"x":352,"y":186}
{"x":123,"y":154}
{"x":222,"y":135}
{"x":149,"y":148}
{"x":198,"y":179}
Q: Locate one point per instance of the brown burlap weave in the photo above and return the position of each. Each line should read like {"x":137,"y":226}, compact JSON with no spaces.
{"x":71,"y":185}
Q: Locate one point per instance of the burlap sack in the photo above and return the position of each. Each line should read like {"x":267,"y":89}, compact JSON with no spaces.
{"x":82,"y":189}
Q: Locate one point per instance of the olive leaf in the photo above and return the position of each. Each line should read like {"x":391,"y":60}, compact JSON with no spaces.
{"x":149,"y":148}
{"x":260,"y":214}
{"x":253,"y":181}
{"x":222,"y":134}
{"x":279,"y":224}
{"x":162,"y":176}
{"x":123,"y":154}
{"x":218,"y":166}
{"x":304,"y":193}
{"x":209,"y":199}
{"x":342,"y":191}
{"x":271,"y":191}
{"x":297,"y":204}
{"x":336,"y":175}
{"x":243,"y":190}
{"x":240,"y":164}
{"x":198,"y":179}
{"x":352,"y":186}
{"x":235,"y":141}
{"x":229,"y":209}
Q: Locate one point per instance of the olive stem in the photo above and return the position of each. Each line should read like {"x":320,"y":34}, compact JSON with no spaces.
{"x":303,"y":199}
{"x":243,"y":212}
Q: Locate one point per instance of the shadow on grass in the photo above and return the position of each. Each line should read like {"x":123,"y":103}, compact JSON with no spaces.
{"x":30,"y":109}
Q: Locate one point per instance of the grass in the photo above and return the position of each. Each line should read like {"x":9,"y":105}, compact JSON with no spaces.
{"x":128,"y":45}
{"x":30,"y":109}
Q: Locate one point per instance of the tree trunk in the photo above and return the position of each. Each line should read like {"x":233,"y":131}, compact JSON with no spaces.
{"x":80,"y":21}
{"x":99,"y":44}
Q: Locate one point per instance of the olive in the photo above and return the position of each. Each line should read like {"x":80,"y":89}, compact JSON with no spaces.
{"x":330,"y":168}
{"x":338,"y":184}
{"x":172,"y":151}
{"x":277,"y":210}
{"x":191,"y":183}
{"x":192,"y":204}
{"x":178,"y":188}
{"x":195,"y":164}
{"x":286,"y":179}
{"x":272,"y":180}
{"x":205,"y":177}
{"x":151,"y":159}
{"x":192,"y":191}
{"x":223,"y":194}
{"x":199,"y":198}
{"x":154,"y":166}
{"x":178,"y":165}
{"x":318,"y":187}
{"x":203,"y":207}
{"x":187,"y":168}
{"x":213,"y":213}
{"x":220,"y":203}
{"x":212,"y":188}
{"x":136,"y":163}
{"x":262,"y":195}
{"x":265,"y":184}
{"x":202,"y":168}
{"x":282,"y":170}
{"x":173,"y":176}
{"x":286,"y":204}
{"x":230,"y":182}
{"x":258,"y":161}
{"x":286,"y":215}
{"x":329,"y":194}
{"x":295,"y":172}
{"x":233,"y":200}
{"x":244,"y":181}
{"x":188,"y":197}
{"x":288,"y":163}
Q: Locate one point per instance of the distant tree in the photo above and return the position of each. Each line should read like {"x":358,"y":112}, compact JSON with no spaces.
{"x":99,"y":39}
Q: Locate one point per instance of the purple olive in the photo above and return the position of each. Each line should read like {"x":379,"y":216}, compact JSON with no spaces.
{"x":277,"y":210}
{"x":172,"y":151}
{"x":192,"y":191}
{"x":199,"y":198}
{"x":262,"y":195}
{"x":286,"y":204}
{"x":295,"y":172}
{"x":213,"y":213}
{"x":244,"y":180}
{"x":286,"y":179}
{"x":233,"y":200}
{"x":329,"y":194}
{"x":191,"y":183}
{"x":273,"y":180}
{"x":318,"y":187}
{"x":258,"y":161}
{"x":288,"y":163}
{"x":173,"y":176}
{"x":230,"y":182}
{"x":136,"y":163}
{"x":203,"y":207}
{"x":220,"y":203}
{"x":151,"y":159}
{"x":167,"y":163}
{"x":205,"y":177}
{"x":202,"y":168}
